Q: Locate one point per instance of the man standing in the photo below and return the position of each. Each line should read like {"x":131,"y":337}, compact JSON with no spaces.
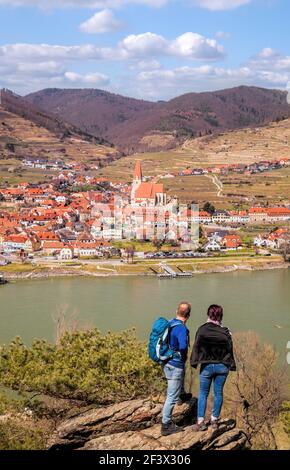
{"x":174,"y":369}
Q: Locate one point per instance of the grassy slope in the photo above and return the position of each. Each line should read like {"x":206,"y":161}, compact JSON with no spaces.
{"x":243,"y":146}
{"x":31,"y":140}
{"x":273,"y":186}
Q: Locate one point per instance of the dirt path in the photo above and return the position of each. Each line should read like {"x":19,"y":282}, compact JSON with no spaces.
{"x":217,"y":183}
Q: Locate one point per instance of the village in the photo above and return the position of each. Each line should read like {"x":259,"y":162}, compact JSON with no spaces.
{"x":51,"y":221}
{"x":239,"y":168}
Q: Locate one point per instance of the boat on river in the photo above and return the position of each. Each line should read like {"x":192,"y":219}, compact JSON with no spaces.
{"x":2,"y":280}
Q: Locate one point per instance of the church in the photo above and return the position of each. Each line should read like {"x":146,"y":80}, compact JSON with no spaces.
{"x":146,"y":194}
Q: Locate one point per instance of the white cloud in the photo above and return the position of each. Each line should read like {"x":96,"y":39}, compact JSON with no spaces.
{"x":222,"y":35}
{"x":45,"y":69}
{"x":99,"y":4}
{"x":189,"y":45}
{"x":142,"y":46}
{"x":194,"y":46}
{"x":267,"y":52}
{"x":27,"y":67}
{"x":38,"y":52}
{"x":146,"y":65}
{"x":220,"y":4}
{"x":102,"y":22}
{"x":270,"y":60}
{"x":48,"y":4}
{"x":96,"y":79}
{"x":164,"y":84}
{"x":266,"y":69}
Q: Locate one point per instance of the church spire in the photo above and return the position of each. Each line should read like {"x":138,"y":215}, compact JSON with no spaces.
{"x":138,"y":171}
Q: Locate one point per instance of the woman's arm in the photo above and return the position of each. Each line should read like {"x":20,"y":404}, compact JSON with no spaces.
{"x":233,"y":366}
{"x":195,"y":351}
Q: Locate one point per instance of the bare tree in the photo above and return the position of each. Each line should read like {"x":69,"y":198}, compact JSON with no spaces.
{"x":66,"y":322}
{"x":254,"y":395}
{"x":130,"y":251}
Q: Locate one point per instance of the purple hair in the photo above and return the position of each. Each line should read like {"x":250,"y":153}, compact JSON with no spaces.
{"x":215,"y":313}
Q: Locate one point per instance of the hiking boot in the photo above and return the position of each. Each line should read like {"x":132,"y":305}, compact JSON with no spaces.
{"x":184,"y":398}
{"x":199,"y":427}
{"x":214,"y":423}
{"x":171,"y":428}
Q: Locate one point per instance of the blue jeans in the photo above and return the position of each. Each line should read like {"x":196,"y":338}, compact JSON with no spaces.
{"x":175,"y":380}
{"x":216,"y":373}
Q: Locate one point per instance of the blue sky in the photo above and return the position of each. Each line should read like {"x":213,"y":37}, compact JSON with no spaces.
{"x":151,"y":49}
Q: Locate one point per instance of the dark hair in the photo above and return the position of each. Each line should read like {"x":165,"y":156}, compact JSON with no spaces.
{"x":184,"y":309}
{"x":215,"y":312}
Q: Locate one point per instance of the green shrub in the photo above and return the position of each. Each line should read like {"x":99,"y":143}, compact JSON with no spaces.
{"x":85,"y":365}
{"x":17,"y":430}
{"x":17,"y":436}
{"x":285,"y":415}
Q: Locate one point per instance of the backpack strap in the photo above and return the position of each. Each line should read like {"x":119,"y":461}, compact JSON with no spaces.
{"x":172,"y":325}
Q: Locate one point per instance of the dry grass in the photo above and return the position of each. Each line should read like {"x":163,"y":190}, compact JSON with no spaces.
{"x":218,"y":263}
{"x":192,"y":188}
{"x":34,"y":141}
{"x":242,"y":146}
{"x":152,"y":164}
{"x":271,"y":186}
{"x":21,"y":268}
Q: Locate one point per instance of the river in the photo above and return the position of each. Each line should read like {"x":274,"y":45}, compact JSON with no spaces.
{"x":258,"y":301}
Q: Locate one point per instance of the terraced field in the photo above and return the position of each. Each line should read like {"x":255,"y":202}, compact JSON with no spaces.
{"x":253,"y":189}
{"x":153,"y":164}
{"x":242,"y":146}
{"x":20,"y":138}
{"x":193,"y":188}
{"x":241,"y":191}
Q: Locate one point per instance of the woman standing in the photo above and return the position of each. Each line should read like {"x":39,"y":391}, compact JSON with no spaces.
{"x":213,"y":350}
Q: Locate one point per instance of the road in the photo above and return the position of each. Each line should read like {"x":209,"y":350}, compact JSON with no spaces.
{"x":217,"y":183}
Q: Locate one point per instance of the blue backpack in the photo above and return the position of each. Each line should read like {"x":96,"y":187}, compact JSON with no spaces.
{"x":158,"y":348}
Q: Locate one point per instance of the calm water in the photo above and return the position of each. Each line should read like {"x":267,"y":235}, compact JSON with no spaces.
{"x":256,"y":301}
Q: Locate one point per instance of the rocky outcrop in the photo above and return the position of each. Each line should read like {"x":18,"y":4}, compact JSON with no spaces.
{"x":226,"y":437}
{"x":135,"y":425}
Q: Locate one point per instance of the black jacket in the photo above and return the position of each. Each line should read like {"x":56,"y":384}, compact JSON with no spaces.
{"x":213,"y":344}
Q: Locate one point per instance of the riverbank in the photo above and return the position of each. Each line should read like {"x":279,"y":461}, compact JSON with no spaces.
{"x":142,"y":267}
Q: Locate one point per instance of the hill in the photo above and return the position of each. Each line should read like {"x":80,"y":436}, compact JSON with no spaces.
{"x":137,"y":125}
{"x":15,"y":104}
{"x":248,"y":145}
{"x":22,"y":136}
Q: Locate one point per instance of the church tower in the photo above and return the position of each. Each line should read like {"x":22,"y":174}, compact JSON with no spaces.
{"x":137,"y":179}
{"x":137,"y":173}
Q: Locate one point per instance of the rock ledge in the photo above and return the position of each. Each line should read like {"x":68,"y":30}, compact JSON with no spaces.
{"x":135,"y":425}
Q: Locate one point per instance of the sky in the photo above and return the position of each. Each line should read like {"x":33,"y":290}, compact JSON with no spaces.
{"x":148,"y":49}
